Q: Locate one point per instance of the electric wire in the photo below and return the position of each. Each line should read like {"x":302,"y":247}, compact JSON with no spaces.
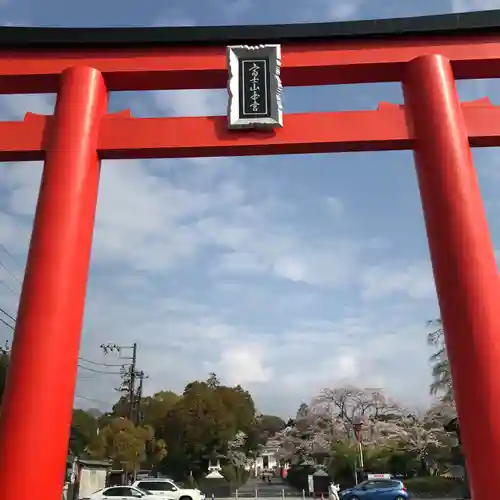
{"x":8,"y":315}
{"x":7,"y":324}
{"x":4,"y":284}
{"x":92,"y":400}
{"x":4,"y":248}
{"x":100,"y":364}
{"x":82,"y":359}
{"x":10,"y":272}
{"x":98,"y":371}
{"x":11,"y":317}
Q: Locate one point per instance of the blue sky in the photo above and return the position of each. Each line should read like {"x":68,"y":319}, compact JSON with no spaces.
{"x":285,"y":274}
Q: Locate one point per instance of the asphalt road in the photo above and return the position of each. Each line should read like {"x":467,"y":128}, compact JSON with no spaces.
{"x":273,"y":491}
{"x":300,"y":498}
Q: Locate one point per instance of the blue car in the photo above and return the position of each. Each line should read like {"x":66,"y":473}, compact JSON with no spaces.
{"x":376,"y":489}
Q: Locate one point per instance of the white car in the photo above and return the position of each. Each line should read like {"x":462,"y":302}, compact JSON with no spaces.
{"x":166,"y":488}
{"x":124,"y":493}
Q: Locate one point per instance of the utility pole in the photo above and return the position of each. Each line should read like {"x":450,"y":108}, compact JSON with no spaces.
{"x":128,"y":377}
{"x":138,"y":418}
{"x":131,"y":389}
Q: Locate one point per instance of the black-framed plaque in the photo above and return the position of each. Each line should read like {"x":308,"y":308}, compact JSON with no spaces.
{"x":254,"y":86}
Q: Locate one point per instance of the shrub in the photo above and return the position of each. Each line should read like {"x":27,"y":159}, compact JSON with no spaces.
{"x":431,"y":486}
{"x":234,"y":475}
{"x":297,"y":476}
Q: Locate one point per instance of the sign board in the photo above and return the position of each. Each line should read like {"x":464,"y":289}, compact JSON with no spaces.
{"x":378,"y":476}
{"x":310,"y":484}
{"x":254,"y":86}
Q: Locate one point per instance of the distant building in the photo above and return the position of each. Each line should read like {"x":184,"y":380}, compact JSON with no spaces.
{"x":84,"y":477}
{"x":268,"y":458}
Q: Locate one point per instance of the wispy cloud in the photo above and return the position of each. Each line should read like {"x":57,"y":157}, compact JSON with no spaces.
{"x":282,"y":273}
{"x":472,"y":5}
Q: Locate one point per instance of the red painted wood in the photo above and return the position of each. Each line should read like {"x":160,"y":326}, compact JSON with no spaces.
{"x":45,"y":348}
{"x":463,"y":259}
{"x":38,"y":400}
{"x":324,"y":63}
{"x":124,"y":137}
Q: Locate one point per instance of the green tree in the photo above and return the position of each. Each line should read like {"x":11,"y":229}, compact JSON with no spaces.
{"x":441,"y":374}
{"x":120,"y":408}
{"x":197,"y":425}
{"x":343,"y":461}
{"x":123,"y":443}
{"x":213,"y":381}
{"x":255,"y":438}
{"x":154,"y":408}
{"x":84,"y":430}
{"x":239,"y":404}
{"x":271,"y":424}
{"x":303,"y":411}
{"x":206,"y":419}
{"x":263,"y":427}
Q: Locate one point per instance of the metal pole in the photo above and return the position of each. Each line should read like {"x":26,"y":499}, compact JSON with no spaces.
{"x":131,"y":387}
{"x":361,"y":460}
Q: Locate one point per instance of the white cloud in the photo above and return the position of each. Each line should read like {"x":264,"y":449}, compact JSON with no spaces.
{"x":330,"y":10}
{"x":335,"y":206}
{"x":415,"y":280}
{"x":210,"y":264}
{"x":191,"y":102}
{"x":244,"y":364}
{"x":473,"y":5}
{"x":177,"y":247}
{"x":344,"y":10}
{"x":240,"y":262}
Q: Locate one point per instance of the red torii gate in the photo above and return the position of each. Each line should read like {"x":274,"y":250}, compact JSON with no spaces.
{"x":83,"y":65}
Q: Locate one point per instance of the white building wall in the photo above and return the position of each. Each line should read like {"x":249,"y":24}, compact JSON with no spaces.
{"x":272,"y":463}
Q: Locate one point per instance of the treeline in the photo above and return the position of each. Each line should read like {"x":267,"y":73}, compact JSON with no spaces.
{"x":178,"y":434}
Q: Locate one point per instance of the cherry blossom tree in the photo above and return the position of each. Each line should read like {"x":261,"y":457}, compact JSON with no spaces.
{"x":328,"y":426}
{"x":342,"y":408}
{"x":441,"y":413}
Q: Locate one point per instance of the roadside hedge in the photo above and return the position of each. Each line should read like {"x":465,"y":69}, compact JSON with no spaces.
{"x":434,"y":486}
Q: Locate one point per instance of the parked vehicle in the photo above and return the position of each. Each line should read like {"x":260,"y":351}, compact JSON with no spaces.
{"x":123,"y":493}
{"x":376,"y":489}
{"x":166,"y":488}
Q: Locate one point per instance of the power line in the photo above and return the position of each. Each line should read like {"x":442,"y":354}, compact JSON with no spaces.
{"x":7,"y":324}
{"x":82,"y":359}
{"x":92,"y":400}
{"x":2,"y":282}
{"x":99,"y":371}
{"x":98,"y":363}
{"x":4,"y":248}
{"x":10,"y":272}
{"x":8,"y":315}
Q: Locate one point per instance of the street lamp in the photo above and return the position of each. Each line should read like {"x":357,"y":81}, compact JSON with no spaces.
{"x":358,"y":425}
